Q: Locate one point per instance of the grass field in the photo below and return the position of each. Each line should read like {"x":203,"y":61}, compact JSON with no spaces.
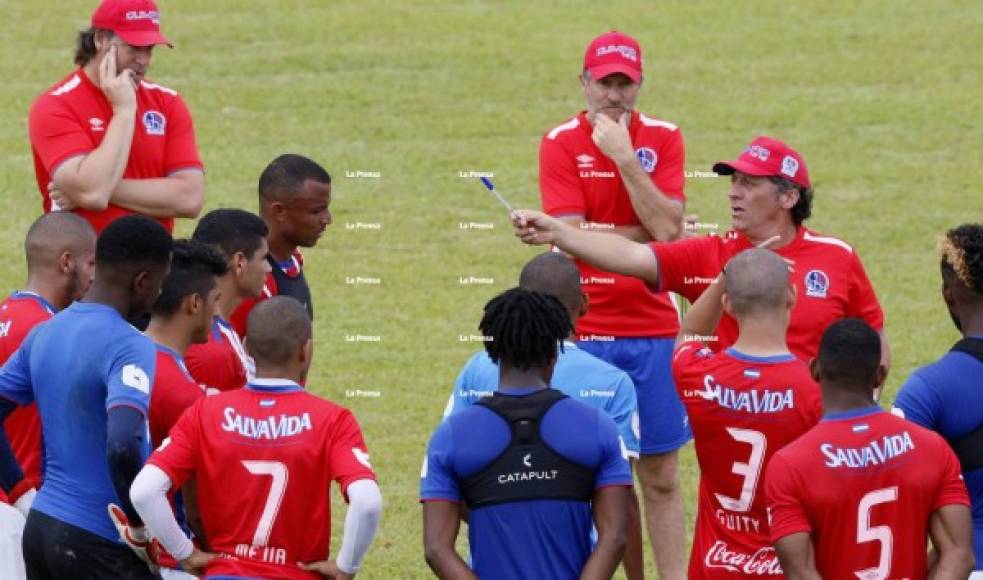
{"x":882,"y":98}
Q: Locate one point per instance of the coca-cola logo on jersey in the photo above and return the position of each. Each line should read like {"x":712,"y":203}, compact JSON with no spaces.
{"x":764,"y":562}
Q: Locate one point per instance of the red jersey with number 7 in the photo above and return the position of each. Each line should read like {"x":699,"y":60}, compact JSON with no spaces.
{"x":864,"y":484}
{"x":742,"y":409}
{"x":264,"y":458}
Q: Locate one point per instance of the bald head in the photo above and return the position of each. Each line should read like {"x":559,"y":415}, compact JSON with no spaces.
{"x":555,"y":274}
{"x":53,"y":235}
{"x":276,"y":330}
{"x":756,"y":283}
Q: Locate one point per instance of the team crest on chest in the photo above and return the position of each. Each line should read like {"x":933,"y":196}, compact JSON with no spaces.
{"x":817,"y":284}
{"x":154,"y":122}
{"x":648,"y":158}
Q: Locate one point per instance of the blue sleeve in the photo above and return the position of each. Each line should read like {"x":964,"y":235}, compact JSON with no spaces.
{"x":10,"y":471}
{"x":15,"y":375}
{"x":437,"y":480}
{"x":131,"y":373}
{"x":126,"y":440}
{"x":613,"y":468}
{"x":919,"y":402}
{"x":623,"y":408}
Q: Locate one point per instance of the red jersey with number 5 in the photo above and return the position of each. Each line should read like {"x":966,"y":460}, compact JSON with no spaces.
{"x":864,"y":484}
{"x":742,"y":409}
{"x":264,"y":458}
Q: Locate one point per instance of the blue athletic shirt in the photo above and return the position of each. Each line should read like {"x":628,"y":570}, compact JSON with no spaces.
{"x":86,"y":360}
{"x":540,"y":539}
{"x":578,"y":374}
{"x":945,"y":396}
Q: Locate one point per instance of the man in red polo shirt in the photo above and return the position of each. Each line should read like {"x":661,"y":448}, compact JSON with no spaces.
{"x":613,"y":169}
{"x":107,"y":142}
{"x":770,"y":196}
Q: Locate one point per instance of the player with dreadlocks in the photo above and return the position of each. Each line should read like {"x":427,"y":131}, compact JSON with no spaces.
{"x":944,"y":396}
{"x":530,"y":467}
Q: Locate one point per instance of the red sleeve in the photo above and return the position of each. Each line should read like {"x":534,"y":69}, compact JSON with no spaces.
{"x":241,"y":315}
{"x":347,"y":453}
{"x":171,"y":396}
{"x":952,"y":490}
{"x":669,"y":175}
{"x":177,"y":456}
{"x":687,"y":355}
{"x":55,"y":133}
{"x":863,"y":302}
{"x":785,"y":512}
{"x":687,"y":266}
{"x":559,"y":185}
{"x":181,"y":150}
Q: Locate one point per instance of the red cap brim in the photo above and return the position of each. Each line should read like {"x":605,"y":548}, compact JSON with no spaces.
{"x":143,"y":38}
{"x":603,"y":70}
{"x":729,"y":167}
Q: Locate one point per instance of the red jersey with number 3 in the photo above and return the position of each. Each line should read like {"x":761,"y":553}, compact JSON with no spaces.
{"x":264,"y":458}
{"x":864,"y":484}
{"x":70,"y":119}
{"x":19,"y":313}
{"x":742,"y":409}
{"x":576,"y":178}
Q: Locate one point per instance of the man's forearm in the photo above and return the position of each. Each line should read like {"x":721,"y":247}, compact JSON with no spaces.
{"x":704,"y":315}
{"x":953,"y":565}
{"x":662,"y":217}
{"x":179,"y":195}
{"x":447,"y":564}
{"x":90,"y":182}
{"x":605,"y":558}
{"x":609,"y":252}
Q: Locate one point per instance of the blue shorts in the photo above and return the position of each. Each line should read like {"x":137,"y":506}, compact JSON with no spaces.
{"x":661,"y":414}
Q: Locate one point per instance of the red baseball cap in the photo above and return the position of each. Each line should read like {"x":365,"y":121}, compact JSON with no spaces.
{"x":611,"y":53}
{"x":768,"y":157}
{"x":137,"y":22}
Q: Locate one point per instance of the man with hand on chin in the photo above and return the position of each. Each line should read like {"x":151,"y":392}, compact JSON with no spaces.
{"x":615,"y":170}
{"x":106,"y":142}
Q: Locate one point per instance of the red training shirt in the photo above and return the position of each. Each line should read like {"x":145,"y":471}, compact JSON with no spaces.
{"x":279,"y":447}
{"x":742,"y":409}
{"x":173,"y":392}
{"x":575,"y":178}
{"x":71,"y":117}
{"x":829,"y":278}
{"x":222,"y":362}
{"x":864,"y":483}
{"x":19,"y":313}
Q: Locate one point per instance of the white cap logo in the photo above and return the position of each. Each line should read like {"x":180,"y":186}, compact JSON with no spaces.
{"x":790,"y":166}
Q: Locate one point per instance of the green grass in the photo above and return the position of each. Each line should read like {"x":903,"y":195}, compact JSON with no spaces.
{"x":881,"y":97}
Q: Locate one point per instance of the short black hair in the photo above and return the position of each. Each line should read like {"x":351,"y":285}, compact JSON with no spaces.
{"x":802,"y":208}
{"x":232,"y":231}
{"x":286,"y":174}
{"x":961,"y":251}
{"x":849,"y":354}
{"x":556,"y":274}
{"x":525,"y":328}
{"x":194,"y":267}
{"x":133,"y":241}
{"x":276,"y":328}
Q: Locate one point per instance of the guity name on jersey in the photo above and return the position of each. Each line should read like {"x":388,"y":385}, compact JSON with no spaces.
{"x":874,"y":453}
{"x":268,"y":428}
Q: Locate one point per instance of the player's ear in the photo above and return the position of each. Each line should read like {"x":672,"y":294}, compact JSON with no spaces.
{"x":880,"y":376}
{"x":307,"y":351}
{"x":814,"y":368}
{"x":193,"y":303}
{"x":238,"y":265}
{"x":278,"y":211}
{"x":66,"y":263}
{"x":725,"y":301}
{"x":793,"y":296}
{"x":584,"y":304}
